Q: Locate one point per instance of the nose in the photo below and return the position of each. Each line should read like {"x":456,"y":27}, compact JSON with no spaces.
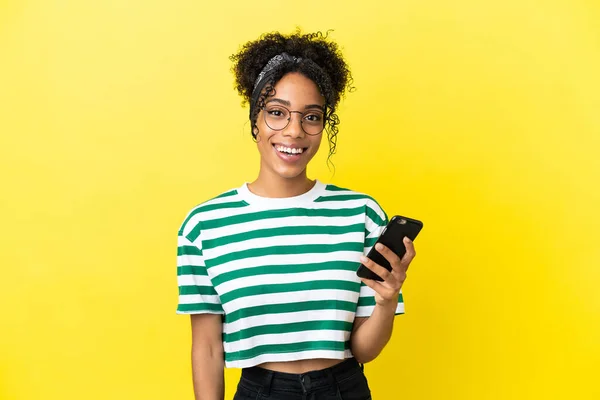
{"x":294,"y":128}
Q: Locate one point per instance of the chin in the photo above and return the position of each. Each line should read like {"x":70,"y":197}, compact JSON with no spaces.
{"x":289,"y":173}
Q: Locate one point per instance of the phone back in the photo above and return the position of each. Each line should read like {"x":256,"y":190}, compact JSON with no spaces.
{"x":392,"y":237}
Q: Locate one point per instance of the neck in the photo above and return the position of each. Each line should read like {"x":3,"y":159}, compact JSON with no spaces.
{"x":270,"y":184}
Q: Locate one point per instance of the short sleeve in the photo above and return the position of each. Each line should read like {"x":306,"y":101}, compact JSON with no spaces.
{"x":197,"y":294}
{"x":375,"y":221}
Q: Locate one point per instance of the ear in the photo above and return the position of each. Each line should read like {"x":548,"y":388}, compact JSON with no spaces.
{"x":255,"y":134}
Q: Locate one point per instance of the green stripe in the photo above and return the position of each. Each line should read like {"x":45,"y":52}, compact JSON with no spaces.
{"x":370,"y":242}
{"x":199,"y":307}
{"x":375,"y":217}
{"x":284,"y":250}
{"x":284,"y":269}
{"x":232,"y":192}
{"x":368,"y":301}
{"x":290,"y":307}
{"x":191,"y":270}
{"x":195,"y":232}
{"x":287,"y":328}
{"x":220,"y":206}
{"x":288,"y":212}
{"x":195,"y":210}
{"x":193,"y":289}
{"x":342,"y":197}
{"x":286,"y":348}
{"x":188,"y":250}
{"x":282,"y":231}
{"x":289,"y":287}
{"x":333,"y":188}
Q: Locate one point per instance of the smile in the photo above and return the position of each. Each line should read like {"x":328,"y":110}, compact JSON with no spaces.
{"x":289,"y":154}
{"x":289,"y":150}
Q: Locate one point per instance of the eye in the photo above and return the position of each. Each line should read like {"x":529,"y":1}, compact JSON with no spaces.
{"x":314,"y":117}
{"x":276,"y":113}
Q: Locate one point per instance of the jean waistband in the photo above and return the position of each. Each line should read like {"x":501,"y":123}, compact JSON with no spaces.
{"x":301,"y":383}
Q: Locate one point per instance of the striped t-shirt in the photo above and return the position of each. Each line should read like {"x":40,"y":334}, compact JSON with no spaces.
{"x":281,"y":271}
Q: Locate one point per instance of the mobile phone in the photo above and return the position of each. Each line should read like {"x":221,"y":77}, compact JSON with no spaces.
{"x":393,"y":237}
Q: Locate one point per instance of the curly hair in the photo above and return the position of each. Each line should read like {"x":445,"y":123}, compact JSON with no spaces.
{"x":326,"y":59}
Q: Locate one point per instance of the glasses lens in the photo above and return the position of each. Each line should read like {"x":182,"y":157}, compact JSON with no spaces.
{"x":312,"y":122}
{"x":277,"y":118}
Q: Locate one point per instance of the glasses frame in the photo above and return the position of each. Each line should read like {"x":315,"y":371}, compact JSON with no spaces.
{"x":302,"y":114}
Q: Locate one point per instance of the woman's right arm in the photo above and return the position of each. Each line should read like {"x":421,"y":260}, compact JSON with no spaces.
{"x":207,"y":357}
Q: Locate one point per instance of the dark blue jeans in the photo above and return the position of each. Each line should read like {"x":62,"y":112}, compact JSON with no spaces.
{"x":344,"y":381}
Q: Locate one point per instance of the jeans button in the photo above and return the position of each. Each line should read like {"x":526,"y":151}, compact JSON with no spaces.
{"x":306,"y":381}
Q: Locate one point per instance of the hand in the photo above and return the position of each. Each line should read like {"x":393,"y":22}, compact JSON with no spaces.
{"x":387,"y":292}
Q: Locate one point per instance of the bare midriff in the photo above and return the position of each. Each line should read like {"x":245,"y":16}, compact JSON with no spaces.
{"x":300,"y":366}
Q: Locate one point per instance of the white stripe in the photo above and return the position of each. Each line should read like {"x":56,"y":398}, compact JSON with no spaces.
{"x":220,"y":200}
{"x":373,"y":229}
{"x":366,"y":311}
{"x":346,"y":192}
{"x":190,"y":260}
{"x":183,"y":241}
{"x":366,"y":291}
{"x":290,"y":297}
{"x":198,"y":298}
{"x":232,"y":212}
{"x":296,"y":240}
{"x":258,"y":280}
{"x":285,"y":259}
{"x":199,"y":312}
{"x":269,"y":223}
{"x":280,"y":357}
{"x":285,"y":318}
{"x":193,"y":221}
{"x":344,"y":204}
{"x":193,"y":280}
{"x":375,"y":207}
{"x":285,"y":338}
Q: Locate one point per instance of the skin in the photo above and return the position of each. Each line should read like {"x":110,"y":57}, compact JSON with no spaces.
{"x":278,"y":178}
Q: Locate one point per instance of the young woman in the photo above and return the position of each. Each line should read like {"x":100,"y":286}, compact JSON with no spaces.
{"x":268,"y":270}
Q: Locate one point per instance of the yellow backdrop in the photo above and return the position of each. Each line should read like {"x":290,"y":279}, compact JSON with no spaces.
{"x":481,"y":118}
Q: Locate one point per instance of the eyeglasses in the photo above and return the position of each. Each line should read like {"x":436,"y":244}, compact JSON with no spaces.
{"x":278,"y":117}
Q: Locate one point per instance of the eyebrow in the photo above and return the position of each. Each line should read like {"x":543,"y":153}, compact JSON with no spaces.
{"x":288,"y":104}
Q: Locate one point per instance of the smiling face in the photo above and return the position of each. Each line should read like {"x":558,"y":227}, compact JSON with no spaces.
{"x":285,"y":153}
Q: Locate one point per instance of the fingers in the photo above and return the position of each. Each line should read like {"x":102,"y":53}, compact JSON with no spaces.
{"x":387,"y":294}
{"x":372,"y":284}
{"x":388,"y":254}
{"x":398,"y":265}
{"x":376,"y":268}
{"x":410,"y":254}
{"x":376,"y":286}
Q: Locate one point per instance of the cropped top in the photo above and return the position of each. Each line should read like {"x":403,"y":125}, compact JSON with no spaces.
{"x":280,"y":271}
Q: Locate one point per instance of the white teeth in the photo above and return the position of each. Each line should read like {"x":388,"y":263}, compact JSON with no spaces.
{"x":289,"y":150}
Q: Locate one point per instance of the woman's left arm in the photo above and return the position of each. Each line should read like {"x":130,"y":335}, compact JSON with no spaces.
{"x":370,"y":335}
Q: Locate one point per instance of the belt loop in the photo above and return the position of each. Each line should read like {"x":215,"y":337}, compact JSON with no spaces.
{"x":267,"y":383}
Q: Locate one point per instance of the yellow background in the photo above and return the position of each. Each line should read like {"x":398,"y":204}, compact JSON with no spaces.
{"x":482,"y":118}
